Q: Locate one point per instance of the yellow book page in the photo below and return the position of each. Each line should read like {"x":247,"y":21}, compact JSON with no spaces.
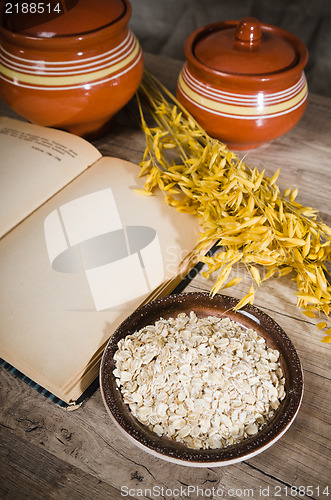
{"x":82,"y":263}
{"x":35,"y":163}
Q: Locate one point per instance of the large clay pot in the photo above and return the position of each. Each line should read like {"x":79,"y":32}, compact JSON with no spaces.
{"x":74,"y":71}
{"x":244,"y":81}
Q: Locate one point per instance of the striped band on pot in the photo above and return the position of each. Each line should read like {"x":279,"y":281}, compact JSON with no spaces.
{"x":50,"y":75}
{"x":240,"y":105}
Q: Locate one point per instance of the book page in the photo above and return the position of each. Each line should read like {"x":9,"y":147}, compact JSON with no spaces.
{"x":35,"y":162}
{"x":82,"y":263}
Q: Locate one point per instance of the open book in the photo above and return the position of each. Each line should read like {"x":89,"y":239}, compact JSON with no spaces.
{"x":80,"y":250}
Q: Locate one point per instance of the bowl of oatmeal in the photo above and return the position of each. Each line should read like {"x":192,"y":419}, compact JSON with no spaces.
{"x":191,"y":381}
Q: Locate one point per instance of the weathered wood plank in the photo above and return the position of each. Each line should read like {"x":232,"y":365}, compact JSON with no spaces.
{"x":29,"y":471}
{"x":101,"y":451}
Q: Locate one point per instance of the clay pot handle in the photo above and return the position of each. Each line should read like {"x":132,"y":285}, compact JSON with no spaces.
{"x":248,"y":33}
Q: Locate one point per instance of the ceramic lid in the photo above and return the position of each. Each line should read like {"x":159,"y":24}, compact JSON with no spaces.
{"x":67,"y":17}
{"x":245,"y":48}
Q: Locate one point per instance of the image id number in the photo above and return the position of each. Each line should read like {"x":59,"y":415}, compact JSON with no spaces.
{"x":300,"y":491}
{"x":32,"y":8}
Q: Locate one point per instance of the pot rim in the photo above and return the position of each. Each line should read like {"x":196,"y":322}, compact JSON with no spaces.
{"x":59,"y":41}
{"x":214,"y":75}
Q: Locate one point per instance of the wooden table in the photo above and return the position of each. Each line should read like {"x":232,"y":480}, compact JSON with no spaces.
{"x":48,"y":452}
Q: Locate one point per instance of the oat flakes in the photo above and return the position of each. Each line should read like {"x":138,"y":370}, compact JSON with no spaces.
{"x":206,"y":382}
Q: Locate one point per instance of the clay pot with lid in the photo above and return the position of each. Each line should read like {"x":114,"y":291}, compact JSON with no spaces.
{"x":244,"y":81}
{"x":72,"y":70}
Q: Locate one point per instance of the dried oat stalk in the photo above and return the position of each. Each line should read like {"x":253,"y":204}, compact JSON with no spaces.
{"x":241,"y":208}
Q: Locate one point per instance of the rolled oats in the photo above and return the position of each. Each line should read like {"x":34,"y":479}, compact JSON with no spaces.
{"x":206,"y":382}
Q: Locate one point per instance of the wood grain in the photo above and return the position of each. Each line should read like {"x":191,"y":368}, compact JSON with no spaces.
{"x":50,"y":453}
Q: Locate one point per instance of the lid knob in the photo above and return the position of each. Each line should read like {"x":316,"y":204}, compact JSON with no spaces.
{"x":248,"y":33}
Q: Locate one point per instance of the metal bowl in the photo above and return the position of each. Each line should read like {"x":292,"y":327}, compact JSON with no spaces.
{"x":203,"y":305}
